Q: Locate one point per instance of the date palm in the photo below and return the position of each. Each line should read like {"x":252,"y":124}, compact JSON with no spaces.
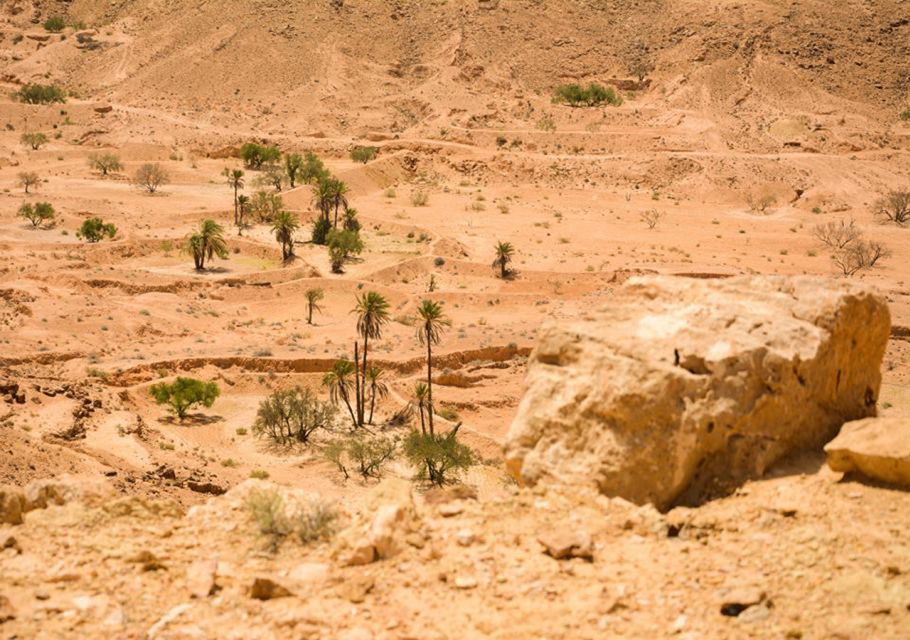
{"x":433,"y":322}
{"x":235,"y":182}
{"x":338,"y":382}
{"x":207,"y":243}
{"x":284,"y":227}
{"x":504,"y":253}
{"x":323,"y":197}
{"x":313,"y":297}
{"x":293,"y":163}
{"x":420,"y":399}
{"x":379,"y":387}
{"x":243,"y":205}
{"x":339,"y":198}
{"x":372,"y":311}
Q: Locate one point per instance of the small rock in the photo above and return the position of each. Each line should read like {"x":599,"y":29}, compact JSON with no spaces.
{"x":310,"y":573}
{"x":9,"y":542}
{"x":754,"y":614}
{"x":738,"y":600}
{"x":356,"y":588}
{"x":878,"y":448}
{"x":200,"y":578}
{"x":563,"y":544}
{"x":465,"y":582}
{"x":148,"y":560}
{"x":450,"y":509}
{"x":6,"y":610}
{"x":465,"y":537}
{"x":266,"y":589}
{"x":12,"y":505}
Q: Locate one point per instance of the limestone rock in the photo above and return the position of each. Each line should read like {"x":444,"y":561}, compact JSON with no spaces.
{"x":562,"y":544}
{"x":6,"y":610}
{"x":878,"y":448}
{"x":681,"y":389}
{"x":267,"y":589}
{"x":12,"y":505}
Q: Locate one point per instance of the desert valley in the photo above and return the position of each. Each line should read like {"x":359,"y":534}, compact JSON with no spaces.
{"x":389,"y":319}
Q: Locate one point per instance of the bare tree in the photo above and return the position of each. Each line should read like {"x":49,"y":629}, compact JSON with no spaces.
{"x":859,"y":255}
{"x":760,"y":204}
{"x":837,"y":235}
{"x":29,"y":179}
{"x":652,"y":217}
{"x":150,"y":177}
{"x":893,"y":207}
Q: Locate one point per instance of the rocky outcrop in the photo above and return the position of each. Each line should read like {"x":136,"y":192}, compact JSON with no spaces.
{"x":878,"y":448}
{"x":680,"y":390}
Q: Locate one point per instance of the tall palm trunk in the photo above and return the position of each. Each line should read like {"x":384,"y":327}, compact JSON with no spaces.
{"x":358,"y":392}
{"x":423,"y":426}
{"x":372,"y":400}
{"x":430,"y":379}
{"x":236,"y":206}
{"x":363,"y":386}
{"x":347,"y":401}
{"x":309,"y":319}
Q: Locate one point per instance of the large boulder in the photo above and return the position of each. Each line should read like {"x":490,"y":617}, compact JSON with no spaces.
{"x":878,"y":448}
{"x":680,"y":389}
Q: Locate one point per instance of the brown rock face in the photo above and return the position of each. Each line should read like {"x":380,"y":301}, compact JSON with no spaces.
{"x":680,"y":389}
{"x":878,"y":448}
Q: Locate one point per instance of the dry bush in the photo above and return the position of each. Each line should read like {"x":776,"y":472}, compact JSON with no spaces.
{"x":893,"y":207}
{"x":420,"y":198}
{"x":760,"y":204}
{"x":652,"y":217}
{"x":150,"y":177}
{"x":309,"y":522}
{"x":858,"y":255}
{"x":837,"y":235}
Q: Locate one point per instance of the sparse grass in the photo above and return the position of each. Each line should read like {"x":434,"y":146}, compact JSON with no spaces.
{"x":230,"y":463}
{"x":420,"y":198}
{"x":309,"y":522}
{"x":259,"y":474}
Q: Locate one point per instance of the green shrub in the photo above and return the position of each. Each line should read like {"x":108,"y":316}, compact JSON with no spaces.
{"x":343,"y":245}
{"x":321,"y":229}
{"x":41,"y":94}
{"x":364,"y":455}
{"x":54,"y":24}
{"x":259,"y":474}
{"x":591,"y":96}
{"x":364,"y":154}
{"x":292,"y":416}
{"x":39,"y":214}
{"x":438,"y":458}
{"x":33,"y":140}
{"x":95,"y":230}
{"x":105,"y":162}
{"x":905,"y":115}
{"x":255,"y":155}
{"x":185,"y":393}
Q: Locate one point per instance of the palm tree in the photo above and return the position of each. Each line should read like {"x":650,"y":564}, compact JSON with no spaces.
{"x":432,"y":323}
{"x":338,"y":382}
{"x":235,"y":182}
{"x":420,"y":397}
{"x":243,"y":205}
{"x":313,"y":296}
{"x":372,"y":311}
{"x":378,"y":387}
{"x":504,"y":253}
{"x":206,"y":243}
{"x":284,"y":226}
{"x":323,"y":197}
{"x":339,"y":198}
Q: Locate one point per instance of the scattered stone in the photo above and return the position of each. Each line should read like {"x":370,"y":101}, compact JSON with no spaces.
{"x":708,"y":381}
{"x":12,"y":505}
{"x":147,"y":560}
{"x":9,"y":541}
{"x":878,"y":448}
{"x":561,"y":544}
{"x":206,"y":487}
{"x":200,"y":578}
{"x":738,"y":600}
{"x":167,"y":618}
{"x":356,"y":588}
{"x":310,"y":573}
{"x":450,"y":509}
{"x":465,"y":582}
{"x":267,"y":589}
{"x":465,"y":537}
{"x":104,"y":109}
{"x":6,"y":610}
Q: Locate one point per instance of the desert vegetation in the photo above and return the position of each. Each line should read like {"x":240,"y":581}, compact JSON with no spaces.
{"x":39,"y":214}
{"x":95,"y":230}
{"x":593,"y":95}
{"x":183,"y":394}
